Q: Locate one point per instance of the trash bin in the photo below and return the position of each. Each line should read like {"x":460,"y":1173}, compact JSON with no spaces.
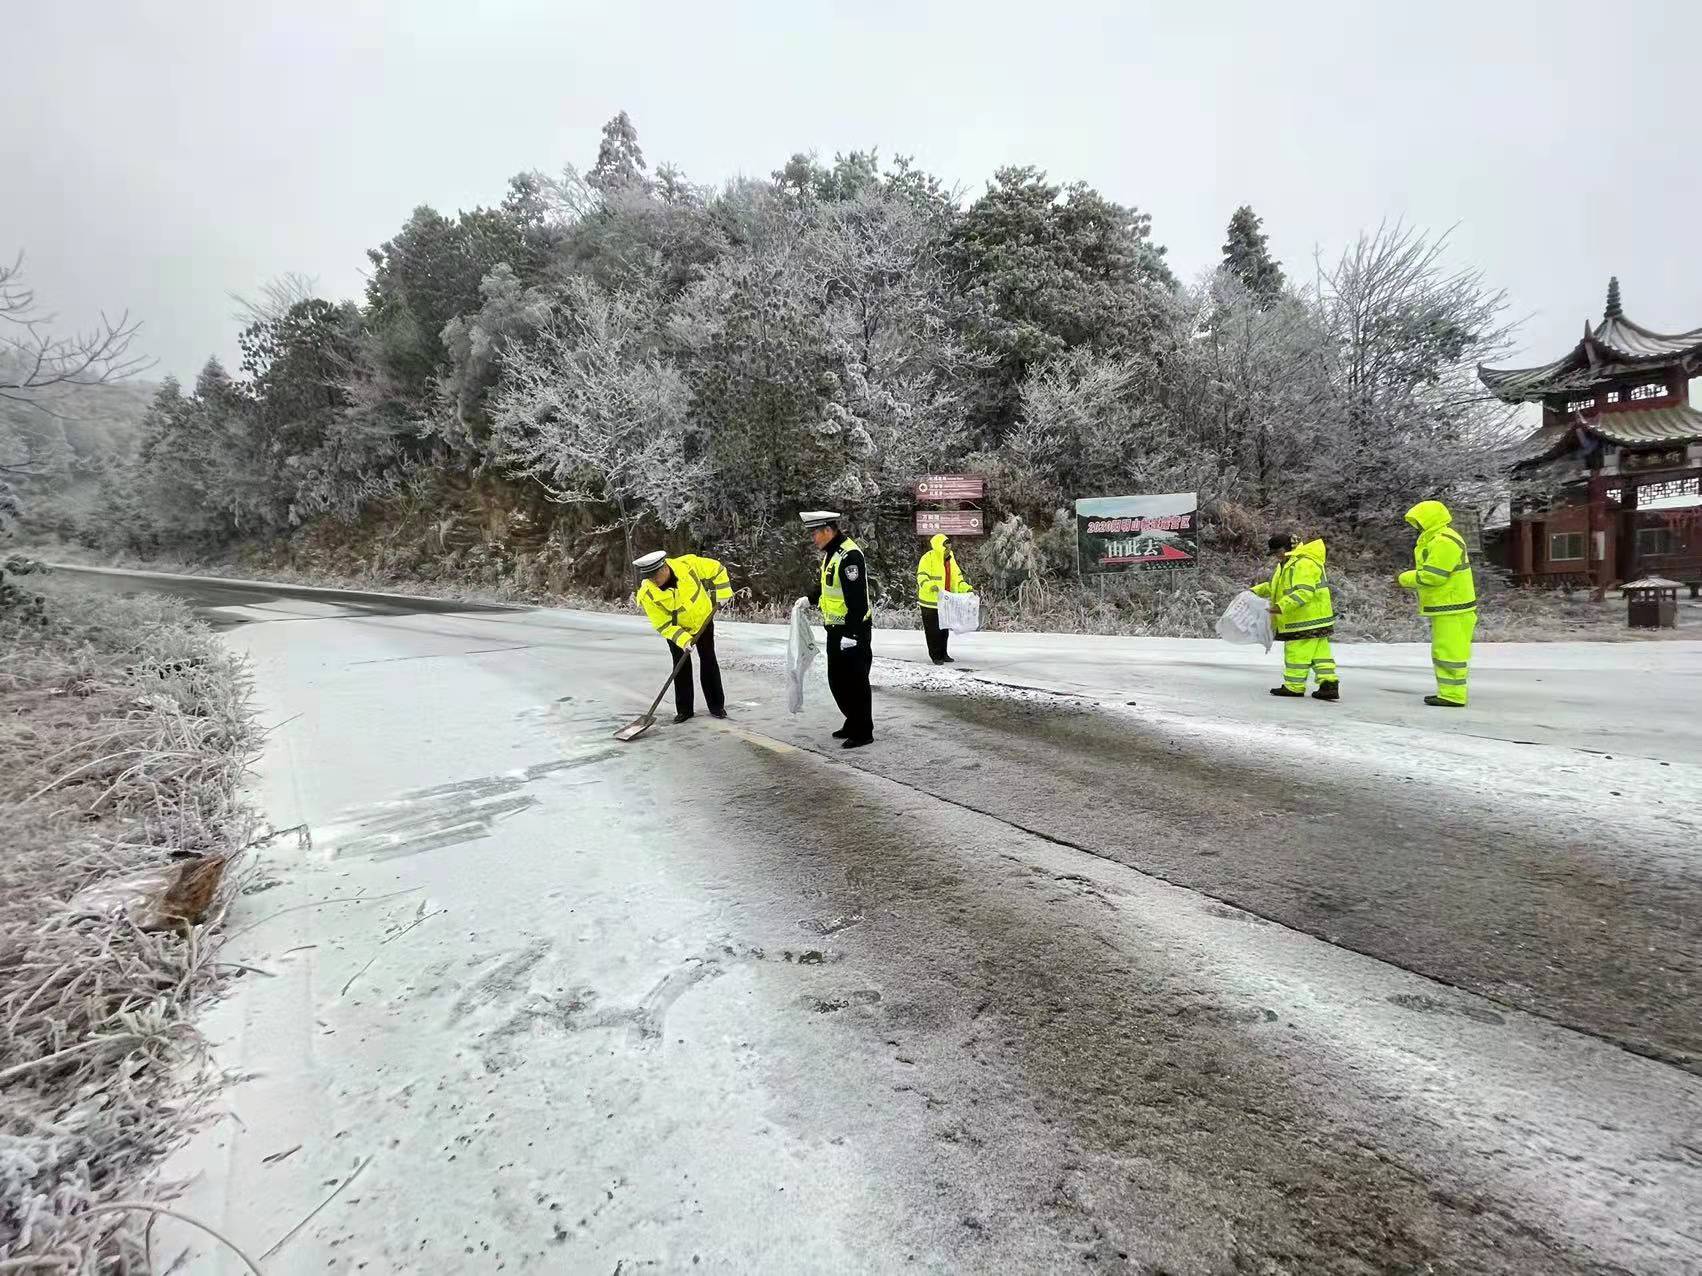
{"x":1651,"y":603}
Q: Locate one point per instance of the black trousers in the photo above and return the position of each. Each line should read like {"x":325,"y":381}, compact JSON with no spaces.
{"x":848,"y":676}
{"x":937,"y":637}
{"x":707,"y":668}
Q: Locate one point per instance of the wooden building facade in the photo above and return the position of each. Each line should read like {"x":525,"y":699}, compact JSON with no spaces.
{"x":1609,"y":487}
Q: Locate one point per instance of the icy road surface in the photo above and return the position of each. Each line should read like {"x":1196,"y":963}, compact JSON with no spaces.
{"x":1156,"y":975}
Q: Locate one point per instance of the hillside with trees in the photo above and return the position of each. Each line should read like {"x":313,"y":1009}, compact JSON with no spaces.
{"x":621,"y":356}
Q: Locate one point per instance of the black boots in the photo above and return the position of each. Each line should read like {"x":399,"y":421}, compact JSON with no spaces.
{"x":1440,"y":703}
{"x":1326,"y":691}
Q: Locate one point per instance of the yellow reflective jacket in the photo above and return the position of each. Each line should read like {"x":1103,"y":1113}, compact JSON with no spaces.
{"x":1442,"y":565}
{"x":835,"y":610}
{"x":939,"y":570}
{"x":685,"y":606}
{"x":1300,"y":589}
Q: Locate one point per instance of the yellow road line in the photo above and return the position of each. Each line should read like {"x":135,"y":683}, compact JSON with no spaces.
{"x":762,"y":741}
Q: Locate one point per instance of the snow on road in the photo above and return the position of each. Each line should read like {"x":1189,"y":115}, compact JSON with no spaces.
{"x":1191,"y":984}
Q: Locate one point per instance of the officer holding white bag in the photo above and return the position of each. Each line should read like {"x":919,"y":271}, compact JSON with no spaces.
{"x":938,"y":573}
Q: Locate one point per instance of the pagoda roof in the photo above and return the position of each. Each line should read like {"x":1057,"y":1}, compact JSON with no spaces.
{"x":1647,"y":427}
{"x":1614,"y":349}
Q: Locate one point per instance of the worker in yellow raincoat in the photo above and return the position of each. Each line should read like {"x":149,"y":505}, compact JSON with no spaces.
{"x":1447,"y":598}
{"x":938,"y":573}
{"x":680,"y":595}
{"x":1303,"y":617}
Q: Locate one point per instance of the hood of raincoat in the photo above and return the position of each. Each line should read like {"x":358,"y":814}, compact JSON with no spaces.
{"x":1313,"y":549}
{"x":1427,"y":516}
{"x":939,"y":541}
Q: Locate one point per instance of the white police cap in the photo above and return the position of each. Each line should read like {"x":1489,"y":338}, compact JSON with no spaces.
{"x":813,"y":519}
{"x":650,"y":562}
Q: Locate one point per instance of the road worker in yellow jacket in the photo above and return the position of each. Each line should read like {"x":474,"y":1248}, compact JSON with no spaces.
{"x":1447,"y":598}
{"x":680,"y":596}
{"x":1303,"y":616}
{"x":938,"y":572}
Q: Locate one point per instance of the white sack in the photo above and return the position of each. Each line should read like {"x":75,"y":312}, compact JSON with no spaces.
{"x":801,"y":649}
{"x":960,"y":613}
{"x":1247,"y":619}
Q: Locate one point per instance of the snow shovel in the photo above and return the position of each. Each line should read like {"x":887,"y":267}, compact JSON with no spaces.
{"x":638,"y":726}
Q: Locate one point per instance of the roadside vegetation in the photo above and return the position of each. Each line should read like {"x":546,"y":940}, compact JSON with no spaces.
{"x":127,"y":729}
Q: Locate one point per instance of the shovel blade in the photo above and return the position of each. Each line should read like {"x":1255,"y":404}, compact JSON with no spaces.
{"x":635,"y":728}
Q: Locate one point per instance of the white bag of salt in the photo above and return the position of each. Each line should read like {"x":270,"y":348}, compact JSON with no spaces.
{"x":960,"y":613}
{"x":1247,"y":619}
{"x":801,"y":648}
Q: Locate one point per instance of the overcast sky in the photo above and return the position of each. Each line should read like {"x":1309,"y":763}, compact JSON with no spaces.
{"x":158,"y":155}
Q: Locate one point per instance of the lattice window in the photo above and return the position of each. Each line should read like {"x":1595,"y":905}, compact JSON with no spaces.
{"x":1579,"y":405}
{"x":1613,"y":396}
{"x":1615,"y":496}
{"x":1566,"y":547}
{"x":1647,"y":492}
{"x":1653,"y":390}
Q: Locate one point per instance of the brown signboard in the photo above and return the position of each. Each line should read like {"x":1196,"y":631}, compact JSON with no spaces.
{"x":950,"y":487}
{"x":1638,"y":462}
{"x":948,"y":522}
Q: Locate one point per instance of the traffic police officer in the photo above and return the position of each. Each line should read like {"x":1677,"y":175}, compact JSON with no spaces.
{"x":849,"y":615}
{"x":679,"y":595}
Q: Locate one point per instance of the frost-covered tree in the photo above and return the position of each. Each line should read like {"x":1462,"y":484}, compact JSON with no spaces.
{"x":1406,"y":333}
{"x":1090,"y":425}
{"x":508,"y":312}
{"x":1247,"y":256}
{"x":1049,"y":268}
{"x":199,"y":474}
{"x":1012,"y":556}
{"x":592,"y":412}
{"x":428,"y":274}
{"x":39,"y":366}
{"x":900,"y":375}
{"x":805,"y":177}
{"x":1248,"y":379}
{"x":751,"y":335}
{"x":620,"y":162}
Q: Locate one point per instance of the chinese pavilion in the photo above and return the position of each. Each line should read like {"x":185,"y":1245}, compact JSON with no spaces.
{"x":1609,"y":488}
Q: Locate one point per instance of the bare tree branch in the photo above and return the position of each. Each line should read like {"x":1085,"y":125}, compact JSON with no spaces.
{"x":275,"y":299}
{"x":35,"y":359}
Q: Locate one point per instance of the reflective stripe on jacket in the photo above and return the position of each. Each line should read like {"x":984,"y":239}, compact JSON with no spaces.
{"x":938,"y":570}
{"x":700,"y":585}
{"x":1442,"y":565}
{"x":833,"y":609}
{"x":1300,"y":591}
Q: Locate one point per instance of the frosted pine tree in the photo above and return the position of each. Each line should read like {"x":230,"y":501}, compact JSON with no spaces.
{"x":1012,"y":555}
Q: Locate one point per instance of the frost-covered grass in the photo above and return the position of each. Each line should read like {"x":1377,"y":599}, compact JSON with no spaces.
{"x":126,"y":730}
{"x":1369,"y":607}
